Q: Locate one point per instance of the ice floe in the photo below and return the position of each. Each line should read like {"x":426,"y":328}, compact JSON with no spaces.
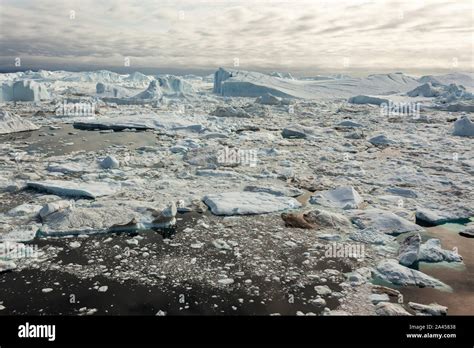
{"x":245,"y":203}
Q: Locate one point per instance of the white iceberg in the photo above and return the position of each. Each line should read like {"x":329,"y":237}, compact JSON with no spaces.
{"x":11,"y":123}
{"x":240,"y":83}
{"x":23,"y":90}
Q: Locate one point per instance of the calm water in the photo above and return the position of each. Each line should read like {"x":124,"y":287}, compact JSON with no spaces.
{"x":68,"y":139}
{"x":459,"y":276}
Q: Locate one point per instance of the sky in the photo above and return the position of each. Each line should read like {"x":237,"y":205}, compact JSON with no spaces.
{"x":295,"y":36}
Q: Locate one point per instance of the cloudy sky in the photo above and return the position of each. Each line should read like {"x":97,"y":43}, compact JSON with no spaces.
{"x":297,"y":35}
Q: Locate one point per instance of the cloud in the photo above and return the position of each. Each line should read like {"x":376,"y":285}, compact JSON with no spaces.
{"x":295,"y":35}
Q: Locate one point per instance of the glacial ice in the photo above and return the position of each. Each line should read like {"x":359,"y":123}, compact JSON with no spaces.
{"x":240,"y":83}
{"x":75,"y":189}
{"x":464,"y":127}
{"x":383,"y":221}
{"x":106,"y":216}
{"x":23,"y":90}
{"x":11,"y":123}
{"x":342,"y":197}
{"x":247,"y":203}
{"x":391,"y":271}
{"x":144,"y":122}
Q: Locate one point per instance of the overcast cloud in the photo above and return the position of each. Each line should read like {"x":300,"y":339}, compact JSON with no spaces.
{"x":293,"y":35}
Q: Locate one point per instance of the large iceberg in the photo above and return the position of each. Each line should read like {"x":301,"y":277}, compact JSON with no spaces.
{"x":240,"y":83}
{"x":23,"y":90}
{"x":152,"y":92}
{"x":465,"y":79}
{"x":174,"y":86}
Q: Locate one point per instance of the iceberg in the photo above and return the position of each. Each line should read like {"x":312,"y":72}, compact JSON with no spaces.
{"x":240,"y":83}
{"x":425,"y":90}
{"x":174,"y":86}
{"x":23,"y":90}
{"x":366,"y":99}
{"x":12,"y":123}
{"x":108,"y":90}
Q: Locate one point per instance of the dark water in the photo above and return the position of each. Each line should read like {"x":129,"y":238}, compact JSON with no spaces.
{"x":58,"y":141}
{"x":21,"y":291}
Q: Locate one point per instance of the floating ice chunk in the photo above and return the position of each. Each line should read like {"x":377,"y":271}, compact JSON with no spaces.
{"x":403,"y":192}
{"x":52,"y":207}
{"x":409,"y":249}
{"x":277,"y":191}
{"x":26,"y":209}
{"x":381,"y":140}
{"x":431,"y":309}
{"x":327,"y":219}
{"x":103,"y":288}
{"x":431,"y":251}
{"x":297,"y":132}
{"x":145,"y":122}
{"x":383,"y":221}
{"x":390,"y":309}
{"x":343,"y":197}
{"x":435,"y":217}
{"x":75,"y":189}
{"x":67,"y":168}
{"x":246,"y":203}
{"x":110,"y":162}
{"x":425,"y":90}
{"x":365,"y":99}
{"x":464,"y":127}
{"x":107,"y":216}
{"x":391,"y":271}
{"x":12,"y":123}
{"x":226,"y":281}
{"x":75,"y":245}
